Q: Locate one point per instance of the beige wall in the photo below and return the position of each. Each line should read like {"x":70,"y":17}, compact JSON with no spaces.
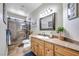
{"x":3,"y":46}
{"x":59,"y":17}
{"x":71,"y":26}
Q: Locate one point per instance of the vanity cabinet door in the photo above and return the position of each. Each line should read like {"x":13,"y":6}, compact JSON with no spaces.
{"x":36,"y":48}
{"x":32,"y":46}
{"x":49,"y":49}
{"x":41,"y":48}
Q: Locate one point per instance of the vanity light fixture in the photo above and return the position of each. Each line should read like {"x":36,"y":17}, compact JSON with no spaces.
{"x":46,"y":12}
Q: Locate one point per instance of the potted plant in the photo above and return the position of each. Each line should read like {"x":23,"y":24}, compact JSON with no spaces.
{"x":60,"y":31}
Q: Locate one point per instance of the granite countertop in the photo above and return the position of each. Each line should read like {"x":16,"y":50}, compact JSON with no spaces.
{"x":58,"y":42}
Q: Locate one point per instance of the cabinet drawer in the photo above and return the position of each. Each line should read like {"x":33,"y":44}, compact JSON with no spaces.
{"x":33,"y":39}
{"x":40,"y":42}
{"x":48,"y":45}
{"x":65,"y":51}
{"x":41,"y":50}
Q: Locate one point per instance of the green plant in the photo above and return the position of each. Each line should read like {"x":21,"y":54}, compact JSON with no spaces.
{"x":60,"y":29}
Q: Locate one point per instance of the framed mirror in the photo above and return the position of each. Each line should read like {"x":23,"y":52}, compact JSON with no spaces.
{"x":48,"y":22}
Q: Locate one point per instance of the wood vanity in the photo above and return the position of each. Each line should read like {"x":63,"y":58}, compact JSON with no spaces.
{"x":42,"y":46}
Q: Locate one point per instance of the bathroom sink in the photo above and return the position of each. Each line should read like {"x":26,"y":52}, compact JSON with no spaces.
{"x":45,"y":37}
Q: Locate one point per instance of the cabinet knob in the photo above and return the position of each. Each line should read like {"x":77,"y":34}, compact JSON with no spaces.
{"x":37,"y":45}
{"x":48,"y":50}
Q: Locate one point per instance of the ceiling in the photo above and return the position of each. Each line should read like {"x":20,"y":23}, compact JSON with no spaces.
{"x":23,"y":9}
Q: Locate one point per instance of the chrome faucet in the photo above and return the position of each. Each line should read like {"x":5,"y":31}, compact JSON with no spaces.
{"x":43,"y":33}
